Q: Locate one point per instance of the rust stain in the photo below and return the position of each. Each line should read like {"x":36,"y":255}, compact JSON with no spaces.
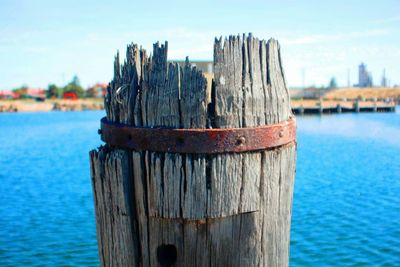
{"x":198,"y":141}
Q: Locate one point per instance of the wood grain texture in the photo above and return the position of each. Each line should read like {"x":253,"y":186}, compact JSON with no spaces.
{"x":213,"y":210}
{"x":115,"y":215}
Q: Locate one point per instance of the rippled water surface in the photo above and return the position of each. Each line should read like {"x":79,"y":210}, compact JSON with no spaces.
{"x":346,"y":209}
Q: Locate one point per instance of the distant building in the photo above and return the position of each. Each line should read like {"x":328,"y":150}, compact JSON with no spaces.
{"x":204,"y":66}
{"x":364,"y":77}
{"x":313,"y":92}
{"x":7,"y":94}
{"x":35,"y":92}
{"x":97,"y":91}
{"x":70,"y":96}
{"x":384,"y":81}
{"x":38,"y":94}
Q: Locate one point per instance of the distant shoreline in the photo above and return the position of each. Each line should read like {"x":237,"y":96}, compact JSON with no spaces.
{"x":51,"y":105}
{"x":345,"y":97}
{"x":347,"y":93}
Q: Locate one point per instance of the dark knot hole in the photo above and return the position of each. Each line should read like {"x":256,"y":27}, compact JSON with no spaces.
{"x":166,"y":255}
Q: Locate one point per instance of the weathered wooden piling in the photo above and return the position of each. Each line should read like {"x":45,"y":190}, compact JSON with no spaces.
{"x":338,"y":108}
{"x":190,"y":209}
{"x":356,"y":106}
{"x":301,"y":110}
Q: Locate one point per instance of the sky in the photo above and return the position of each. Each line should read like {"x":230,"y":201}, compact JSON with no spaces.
{"x":43,"y":42}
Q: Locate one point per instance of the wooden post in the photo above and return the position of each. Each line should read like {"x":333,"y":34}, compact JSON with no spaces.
{"x":339,"y":108}
{"x":301,"y":110}
{"x":321,"y":105}
{"x":356,"y":106}
{"x":170,"y":209}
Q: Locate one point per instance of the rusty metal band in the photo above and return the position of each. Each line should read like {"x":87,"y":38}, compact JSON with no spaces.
{"x":198,"y":141}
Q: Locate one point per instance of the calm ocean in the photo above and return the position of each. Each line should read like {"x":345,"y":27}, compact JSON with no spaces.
{"x":346,"y":209}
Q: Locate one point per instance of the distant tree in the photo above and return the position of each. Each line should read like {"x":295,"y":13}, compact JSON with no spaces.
{"x":23,"y":90}
{"x":75,"y":80}
{"x":96,"y":91}
{"x":91,"y":92}
{"x":333,"y":83}
{"x":53,"y":91}
{"x":75,"y":86}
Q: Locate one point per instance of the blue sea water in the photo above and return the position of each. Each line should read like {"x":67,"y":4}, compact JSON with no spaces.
{"x":346,"y":209}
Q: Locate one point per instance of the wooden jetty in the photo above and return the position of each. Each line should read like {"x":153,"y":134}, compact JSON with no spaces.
{"x":330,"y":106}
{"x":158,"y":202}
